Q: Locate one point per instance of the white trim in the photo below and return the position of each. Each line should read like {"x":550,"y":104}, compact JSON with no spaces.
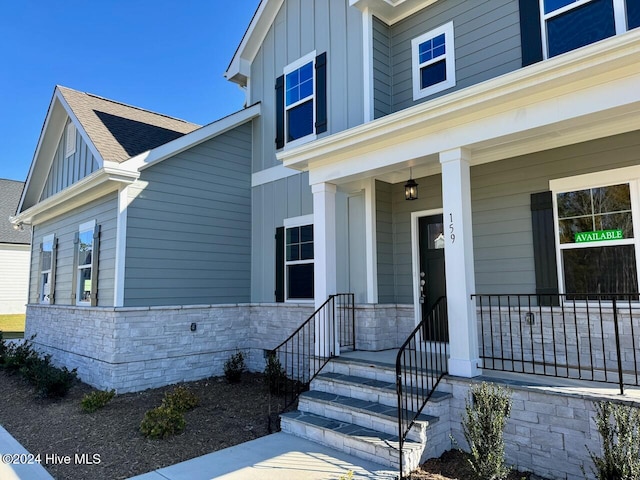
{"x":83,"y":228}
{"x":69,"y":140}
{"x":121,"y":247}
{"x":293,"y":66}
{"x":298,"y":221}
{"x":367,"y":65}
{"x":449,"y":58}
{"x":293,"y":222}
{"x":393,"y":11}
{"x":596,"y":179}
{"x":272,"y":174}
{"x":46,"y":239}
{"x":371,"y":241}
{"x":415,"y":258}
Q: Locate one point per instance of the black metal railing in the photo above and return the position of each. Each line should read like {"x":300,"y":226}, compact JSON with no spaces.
{"x":295,"y":362}
{"x":579,"y":336}
{"x":420,"y":365}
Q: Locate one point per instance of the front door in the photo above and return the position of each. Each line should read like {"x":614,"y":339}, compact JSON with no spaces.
{"x":432,"y":273}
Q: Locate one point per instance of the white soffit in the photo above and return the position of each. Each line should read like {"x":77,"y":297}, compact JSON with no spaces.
{"x":391,"y":11}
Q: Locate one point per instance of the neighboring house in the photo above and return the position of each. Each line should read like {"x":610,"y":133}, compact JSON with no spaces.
{"x":517,"y":119}
{"x":15,"y":246}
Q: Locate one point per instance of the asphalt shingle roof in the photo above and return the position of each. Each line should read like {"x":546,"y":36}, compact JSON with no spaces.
{"x":10,"y":193}
{"x":121,"y":131}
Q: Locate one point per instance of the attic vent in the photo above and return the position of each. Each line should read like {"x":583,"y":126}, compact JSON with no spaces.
{"x":70,"y":140}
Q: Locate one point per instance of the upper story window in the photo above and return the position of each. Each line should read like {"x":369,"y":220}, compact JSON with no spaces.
{"x":570,"y":24}
{"x":433,"y":61}
{"x":301,"y":100}
{"x":70,"y":140}
{"x":47,"y":269}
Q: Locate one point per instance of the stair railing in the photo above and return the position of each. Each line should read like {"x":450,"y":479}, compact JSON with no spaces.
{"x":420,"y":365}
{"x":295,"y":362}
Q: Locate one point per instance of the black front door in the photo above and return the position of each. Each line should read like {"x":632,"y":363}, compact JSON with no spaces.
{"x":432,"y":273}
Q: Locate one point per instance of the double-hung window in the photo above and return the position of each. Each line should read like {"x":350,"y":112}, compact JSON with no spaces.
{"x":299,"y":259}
{"x":85,"y":252}
{"x":433,"y":61}
{"x":570,"y":24}
{"x":596,"y":238}
{"x":301,"y":100}
{"x":47,"y":267}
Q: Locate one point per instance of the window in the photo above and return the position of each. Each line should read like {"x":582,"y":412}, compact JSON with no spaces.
{"x":47,"y":269}
{"x":433,"y":61}
{"x":70,"y":140}
{"x":570,"y":24}
{"x":298,"y":255}
{"x":596,"y":239}
{"x":86,"y":250}
{"x":301,"y":101}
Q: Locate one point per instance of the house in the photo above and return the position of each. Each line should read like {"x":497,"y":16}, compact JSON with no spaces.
{"x":14,"y":252}
{"x":407,"y":151}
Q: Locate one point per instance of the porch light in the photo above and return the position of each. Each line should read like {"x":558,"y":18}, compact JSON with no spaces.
{"x":410,"y":188}
{"x":18,"y":226}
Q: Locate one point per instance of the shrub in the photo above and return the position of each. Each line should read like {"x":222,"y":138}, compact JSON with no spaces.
{"x":17,"y":355}
{"x":274,"y":375}
{"x":234,"y":367}
{"x":162,"y":422}
{"x":483,"y":427}
{"x":180,"y":399}
{"x":619,"y":428}
{"x":48,"y":380}
{"x":96,"y":400}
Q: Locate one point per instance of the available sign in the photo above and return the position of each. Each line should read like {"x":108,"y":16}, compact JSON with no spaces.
{"x":598,"y":236}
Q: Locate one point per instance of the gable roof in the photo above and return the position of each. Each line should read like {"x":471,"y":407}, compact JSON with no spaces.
{"x":119,"y":131}
{"x":10,"y":192}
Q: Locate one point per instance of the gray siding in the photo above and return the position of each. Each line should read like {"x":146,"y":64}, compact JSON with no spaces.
{"x":487,"y":44}
{"x":384,"y":242}
{"x":67,"y":171}
{"x":382,"y":75}
{"x":300,"y":27}
{"x":272,"y":203}
{"x":189,"y":226}
{"x":104,"y":212}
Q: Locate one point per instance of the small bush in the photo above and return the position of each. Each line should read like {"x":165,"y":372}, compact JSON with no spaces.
{"x":180,"y":399}
{"x":48,"y":380}
{"x":483,"y":427}
{"x":234,"y":367}
{"x":17,"y":355}
{"x":162,"y":422}
{"x":619,"y":428}
{"x":96,"y":400}
{"x":274,"y":375}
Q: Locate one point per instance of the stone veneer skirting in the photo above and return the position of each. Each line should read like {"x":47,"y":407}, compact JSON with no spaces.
{"x":135,"y":348}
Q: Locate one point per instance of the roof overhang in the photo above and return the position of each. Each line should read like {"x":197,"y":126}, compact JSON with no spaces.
{"x":391,"y":11}
{"x":586,"y":94}
{"x":158,"y":154}
{"x":92,"y":187}
{"x":239,"y":70}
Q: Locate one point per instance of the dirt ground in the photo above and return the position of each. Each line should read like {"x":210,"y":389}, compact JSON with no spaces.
{"x":227,"y":415}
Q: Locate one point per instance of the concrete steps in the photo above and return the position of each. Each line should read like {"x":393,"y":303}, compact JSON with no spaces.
{"x":352,"y":406}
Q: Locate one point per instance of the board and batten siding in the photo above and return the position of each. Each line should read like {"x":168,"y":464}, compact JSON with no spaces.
{"x":487,"y":44}
{"x":14,"y":277}
{"x":188,"y":236}
{"x":104,"y":212}
{"x":65,"y":171}
{"x":501,"y":214}
{"x":301,"y":27}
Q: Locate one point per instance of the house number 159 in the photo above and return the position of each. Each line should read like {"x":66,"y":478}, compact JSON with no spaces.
{"x":452,"y":234}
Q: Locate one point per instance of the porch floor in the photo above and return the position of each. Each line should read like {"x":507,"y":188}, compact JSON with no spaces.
{"x":523,"y":380}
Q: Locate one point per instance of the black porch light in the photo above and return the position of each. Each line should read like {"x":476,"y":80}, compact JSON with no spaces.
{"x":410,"y":188}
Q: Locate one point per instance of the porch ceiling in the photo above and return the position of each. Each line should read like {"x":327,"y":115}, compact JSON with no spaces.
{"x":583,"y":95}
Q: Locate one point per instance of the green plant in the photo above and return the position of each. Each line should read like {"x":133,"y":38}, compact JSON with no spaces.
{"x":483,"y":427}
{"x":16,"y":355}
{"x":619,"y":428}
{"x":48,"y":380}
{"x":180,"y":399}
{"x":274,"y":375}
{"x":96,"y":400}
{"x":234,"y":367}
{"x":162,"y":422}
{"x":347,"y":476}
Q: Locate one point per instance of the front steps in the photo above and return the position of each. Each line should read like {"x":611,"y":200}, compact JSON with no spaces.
{"x":352,"y":406}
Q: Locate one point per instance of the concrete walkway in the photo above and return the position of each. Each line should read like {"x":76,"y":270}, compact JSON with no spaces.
{"x":18,"y":470}
{"x":279,"y":456}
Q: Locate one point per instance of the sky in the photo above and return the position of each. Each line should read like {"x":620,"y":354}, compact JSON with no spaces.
{"x":167,"y":56}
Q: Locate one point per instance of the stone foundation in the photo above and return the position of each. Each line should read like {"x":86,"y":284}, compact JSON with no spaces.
{"x":382,"y":327}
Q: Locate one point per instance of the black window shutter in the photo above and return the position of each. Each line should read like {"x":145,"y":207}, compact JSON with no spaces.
{"x":74,"y":272}
{"x":279,"y":264}
{"x":544,"y":247}
{"x":280,"y":111}
{"x":531,"y":36}
{"x":95,"y":254}
{"x":52,"y":275}
{"x":321,"y":93}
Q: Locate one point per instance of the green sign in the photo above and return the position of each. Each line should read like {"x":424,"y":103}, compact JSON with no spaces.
{"x":598,"y":236}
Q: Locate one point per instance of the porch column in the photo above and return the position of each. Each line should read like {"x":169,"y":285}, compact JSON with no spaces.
{"x":324,"y":247}
{"x":458,"y":252}
{"x":371,"y":240}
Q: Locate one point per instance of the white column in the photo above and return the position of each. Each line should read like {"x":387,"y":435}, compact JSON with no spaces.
{"x":324,"y":248}
{"x":371,"y":240}
{"x":456,"y":199}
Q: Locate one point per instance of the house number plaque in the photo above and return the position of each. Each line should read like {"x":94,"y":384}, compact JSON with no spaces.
{"x":452,"y":234}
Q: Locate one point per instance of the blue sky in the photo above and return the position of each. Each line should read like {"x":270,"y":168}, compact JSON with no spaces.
{"x":163,"y":55}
